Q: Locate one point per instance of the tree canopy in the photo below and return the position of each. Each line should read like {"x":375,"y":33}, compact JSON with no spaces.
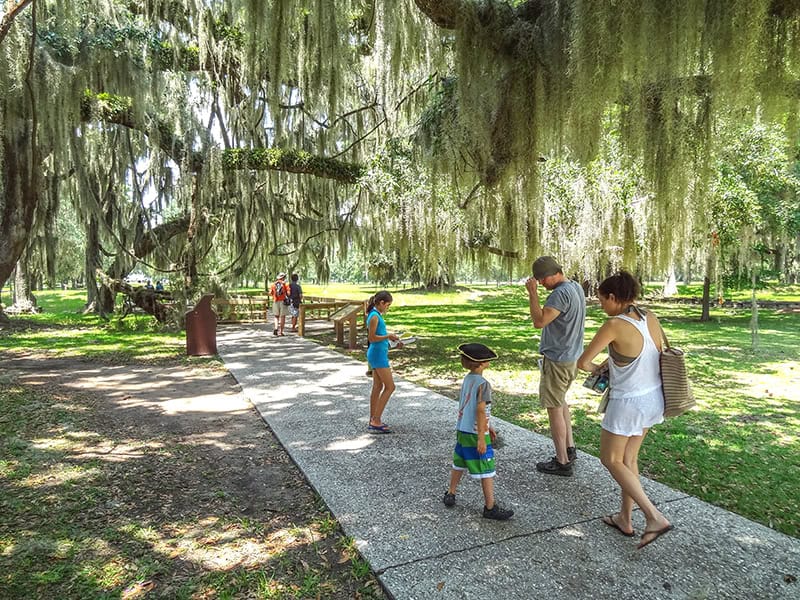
{"x":277,"y":132}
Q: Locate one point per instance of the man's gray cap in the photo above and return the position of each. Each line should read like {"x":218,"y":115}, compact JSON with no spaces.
{"x":544,"y":266}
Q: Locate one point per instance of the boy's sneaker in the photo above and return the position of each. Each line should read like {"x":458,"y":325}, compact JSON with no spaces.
{"x":572,"y":454}
{"x":449,"y":499}
{"x":497,"y":513}
{"x":553,"y":467}
{"x":369,"y":372}
{"x":274,"y":332}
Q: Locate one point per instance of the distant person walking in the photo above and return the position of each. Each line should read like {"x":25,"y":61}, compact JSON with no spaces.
{"x":474,"y":433}
{"x":378,"y":360}
{"x":636,"y":398}
{"x":296,"y":297}
{"x":280,"y":303}
{"x":561,"y":320}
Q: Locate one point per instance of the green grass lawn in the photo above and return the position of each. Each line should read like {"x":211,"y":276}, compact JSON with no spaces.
{"x":62,"y":329}
{"x":775,"y":292}
{"x":739,"y":450}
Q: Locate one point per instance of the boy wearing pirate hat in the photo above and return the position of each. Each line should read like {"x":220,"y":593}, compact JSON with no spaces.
{"x":473,"y":452}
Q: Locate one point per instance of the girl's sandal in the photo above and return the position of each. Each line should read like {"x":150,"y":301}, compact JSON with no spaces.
{"x":379,"y":428}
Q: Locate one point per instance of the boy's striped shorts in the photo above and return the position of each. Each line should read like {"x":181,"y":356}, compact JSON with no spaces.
{"x":466,"y":457}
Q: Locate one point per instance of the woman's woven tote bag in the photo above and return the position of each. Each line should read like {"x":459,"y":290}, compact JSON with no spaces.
{"x":678,"y":397}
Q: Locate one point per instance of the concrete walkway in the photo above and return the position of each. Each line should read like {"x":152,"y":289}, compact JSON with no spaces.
{"x":386,"y":492}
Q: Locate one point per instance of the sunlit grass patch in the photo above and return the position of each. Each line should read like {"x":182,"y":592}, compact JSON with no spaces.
{"x":97,"y":341}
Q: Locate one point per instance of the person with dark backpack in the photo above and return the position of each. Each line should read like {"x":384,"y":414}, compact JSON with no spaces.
{"x":296,"y":297}
{"x":280,"y":303}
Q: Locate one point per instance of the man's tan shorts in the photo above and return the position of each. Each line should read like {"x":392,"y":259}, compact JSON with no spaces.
{"x":279,"y":309}
{"x":556,"y":377}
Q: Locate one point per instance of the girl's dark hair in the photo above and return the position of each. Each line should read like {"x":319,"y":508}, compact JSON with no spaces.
{"x":382,"y":296}
{"x":623,"y":285}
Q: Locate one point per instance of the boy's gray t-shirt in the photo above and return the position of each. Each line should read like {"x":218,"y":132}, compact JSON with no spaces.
{"x":562,"y":338}
{"x":468,"y":402}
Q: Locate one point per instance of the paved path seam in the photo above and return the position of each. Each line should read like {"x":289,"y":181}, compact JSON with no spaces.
{"x":513,"y":537}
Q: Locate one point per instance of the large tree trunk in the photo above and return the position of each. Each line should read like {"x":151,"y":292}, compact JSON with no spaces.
{"x":705,"y":316}
{"x":92,"y":264}
{"x":50,"y":234}
{"x":20,"y":197}
{"x":671,"y":285}
{"x":23,"y":299}
{"x":779,"y":264}
{"x":106,"y":297}
{"x":189,"y":262}
{"x":754,"y":314}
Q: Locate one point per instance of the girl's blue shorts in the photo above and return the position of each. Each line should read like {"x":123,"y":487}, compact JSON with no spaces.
{"x":377,"y":357}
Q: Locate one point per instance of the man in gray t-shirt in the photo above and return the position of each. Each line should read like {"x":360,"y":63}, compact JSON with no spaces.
{"x":561,"y":321}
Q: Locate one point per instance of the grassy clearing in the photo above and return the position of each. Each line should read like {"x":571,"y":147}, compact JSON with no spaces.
{"x":62,"y":330}
{"x":772,"y":291}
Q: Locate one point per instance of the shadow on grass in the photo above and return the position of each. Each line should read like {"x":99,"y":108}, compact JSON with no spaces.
{"x":145,"y":480}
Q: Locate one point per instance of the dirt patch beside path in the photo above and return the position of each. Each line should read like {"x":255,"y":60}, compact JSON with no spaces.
{"x":167,"y":472}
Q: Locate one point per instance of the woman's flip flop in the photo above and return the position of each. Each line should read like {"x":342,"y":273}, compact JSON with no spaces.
{"x":656,"y":534}
{"x":609,"y":520}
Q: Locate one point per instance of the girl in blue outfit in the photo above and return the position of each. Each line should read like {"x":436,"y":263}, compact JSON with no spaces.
{"x":378,"y":359}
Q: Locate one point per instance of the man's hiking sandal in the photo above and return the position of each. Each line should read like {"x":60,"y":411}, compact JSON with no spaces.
{"x":553,"y":467}
{"x":572,"y":453}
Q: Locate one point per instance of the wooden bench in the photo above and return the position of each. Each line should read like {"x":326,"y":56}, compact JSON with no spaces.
{"x":242,"y":309}
{"x":347,"y":314}
{"x":314,"y":310}
{"x":330,"y":309}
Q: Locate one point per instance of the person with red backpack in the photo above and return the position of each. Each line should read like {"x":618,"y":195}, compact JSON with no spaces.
{"x":280,"y":303}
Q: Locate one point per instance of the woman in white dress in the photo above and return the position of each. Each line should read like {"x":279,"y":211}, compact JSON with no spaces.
{"x":636,"y":400}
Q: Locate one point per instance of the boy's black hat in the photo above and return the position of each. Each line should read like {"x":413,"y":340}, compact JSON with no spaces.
{"x":477,"y":352}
